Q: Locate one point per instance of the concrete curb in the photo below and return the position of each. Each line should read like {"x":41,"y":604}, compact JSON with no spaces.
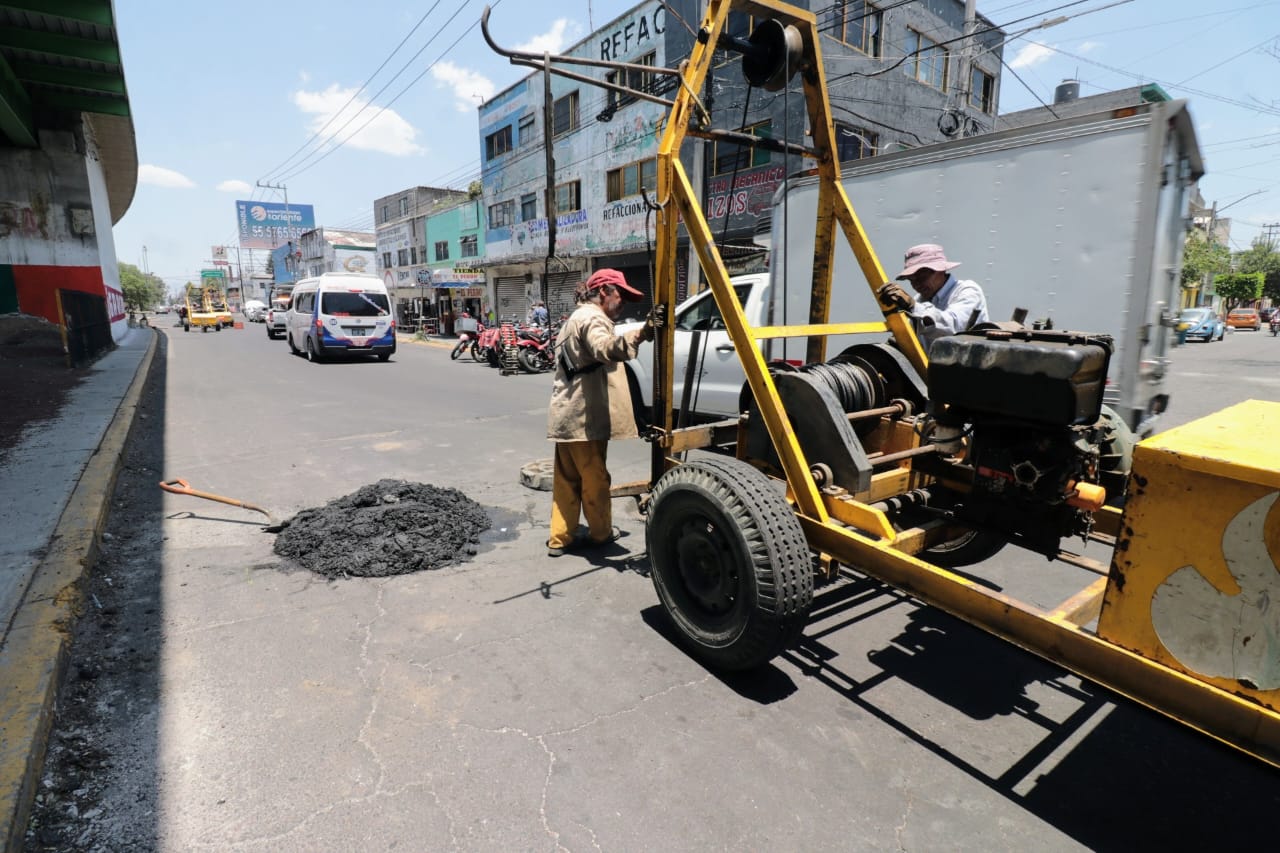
{"x":35,"y":653}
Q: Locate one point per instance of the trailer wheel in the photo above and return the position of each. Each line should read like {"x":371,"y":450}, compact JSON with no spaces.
{"x":730,"y":562}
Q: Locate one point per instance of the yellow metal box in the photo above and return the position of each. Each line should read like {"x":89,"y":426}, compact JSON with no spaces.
{"x":1194,"y":580}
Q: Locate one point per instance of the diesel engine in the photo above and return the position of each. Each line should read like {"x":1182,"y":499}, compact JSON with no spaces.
{"x":1022,"y":409}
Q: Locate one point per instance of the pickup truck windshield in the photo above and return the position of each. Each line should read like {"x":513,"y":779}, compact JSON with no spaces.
{"x":355,"y":304}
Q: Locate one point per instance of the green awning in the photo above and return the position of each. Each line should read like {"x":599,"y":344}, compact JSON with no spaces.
{"x":60,"y":63}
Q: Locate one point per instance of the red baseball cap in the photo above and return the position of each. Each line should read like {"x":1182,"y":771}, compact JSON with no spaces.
{"x":600,"y":278}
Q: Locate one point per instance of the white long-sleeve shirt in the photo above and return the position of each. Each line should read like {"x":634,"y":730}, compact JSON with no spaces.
{"x":958,"y":305}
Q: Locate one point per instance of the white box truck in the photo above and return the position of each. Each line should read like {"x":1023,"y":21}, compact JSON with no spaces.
{"x":1078,"y":220}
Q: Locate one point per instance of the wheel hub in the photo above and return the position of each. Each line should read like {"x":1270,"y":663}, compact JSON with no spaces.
{"x":706,"y":566}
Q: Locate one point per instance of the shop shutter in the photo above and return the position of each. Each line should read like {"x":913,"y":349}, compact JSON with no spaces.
{"x":512,"y":304}
{"x":560,"y":290}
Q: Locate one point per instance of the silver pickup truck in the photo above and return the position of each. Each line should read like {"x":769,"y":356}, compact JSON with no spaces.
{"x":278,"y":310}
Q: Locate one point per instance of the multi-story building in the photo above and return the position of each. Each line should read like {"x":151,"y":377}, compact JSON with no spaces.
{"x":902,"y":75}
{"x":330,"y":250}
{"x":400,"y":226}
{"x":455,"y":244}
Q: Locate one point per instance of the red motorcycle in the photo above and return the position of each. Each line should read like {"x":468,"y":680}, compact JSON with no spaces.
{"x":536,"y":349}
{"x":488,"y":346}
{"x":469,"y":334}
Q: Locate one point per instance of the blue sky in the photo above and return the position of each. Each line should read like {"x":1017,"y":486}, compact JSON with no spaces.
{"x":225,"y":95}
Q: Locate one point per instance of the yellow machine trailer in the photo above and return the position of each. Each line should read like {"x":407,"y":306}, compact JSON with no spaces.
{"x":905,"y":467}
{"x":206,"y":309}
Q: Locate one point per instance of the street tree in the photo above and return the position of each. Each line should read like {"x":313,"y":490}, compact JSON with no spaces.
{"x":1239,"y":287}
{"x":1201,"y":258}
{"x":141,"y":291}
{"x":1262,"y":257}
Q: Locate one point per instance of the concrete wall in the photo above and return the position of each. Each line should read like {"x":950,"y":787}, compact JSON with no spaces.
{"x":55,"y":227}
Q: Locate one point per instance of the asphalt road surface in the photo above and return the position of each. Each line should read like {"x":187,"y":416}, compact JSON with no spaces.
{"x":222,"y":700}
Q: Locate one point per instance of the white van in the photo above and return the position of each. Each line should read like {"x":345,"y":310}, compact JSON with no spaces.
{"x":341,"y":313}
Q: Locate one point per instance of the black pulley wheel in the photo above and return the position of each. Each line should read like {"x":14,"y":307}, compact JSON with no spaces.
{"x":967,"y":549}
{"x":730,"y":562}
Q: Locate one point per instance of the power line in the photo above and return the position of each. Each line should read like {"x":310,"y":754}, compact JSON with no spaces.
{"x":356,"y":94}
{"x":304,"y":165}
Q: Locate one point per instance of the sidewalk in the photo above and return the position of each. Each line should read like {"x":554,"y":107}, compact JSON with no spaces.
{"x":55,"y":489}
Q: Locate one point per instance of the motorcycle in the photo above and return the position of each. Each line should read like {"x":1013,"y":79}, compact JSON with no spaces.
{"x":536,"y":349}
{"x":468,"y":339}
{"x":1275,"y":325}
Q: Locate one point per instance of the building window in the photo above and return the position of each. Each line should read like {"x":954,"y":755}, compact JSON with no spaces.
{"x":500,"y":215}
{"x":442,"y":250}
{"x":569,"y":196}
{"x":470,"y":246}
{"x":565,"y":114}
{"x":402,"y":258}
{"x":497,"y":143}
{"x":386,"y":260}
{"x":641,"y":81}
{"x":528,"y":207}
{"x":627,"y":180}
{"x":386,"y":212}
{"x":982,"y":90}
{"x":854,"y":23}
{"x":926,"y":60}
{"x":413,"y":254}
{"x":730,"y":156}
{"x":855,"y":143}
{"x":525,"y":135}
{"x":404,"y":207}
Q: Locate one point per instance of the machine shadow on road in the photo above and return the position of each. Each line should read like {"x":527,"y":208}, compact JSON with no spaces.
{"x":97,"y":789}
{"x":1149,"y":783}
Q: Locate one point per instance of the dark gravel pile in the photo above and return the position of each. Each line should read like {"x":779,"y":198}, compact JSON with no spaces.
{"x":389,"y":528}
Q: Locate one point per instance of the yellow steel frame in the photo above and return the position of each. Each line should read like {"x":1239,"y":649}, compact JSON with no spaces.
{"x":838,"y":525}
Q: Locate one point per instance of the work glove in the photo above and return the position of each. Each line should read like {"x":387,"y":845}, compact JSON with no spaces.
{"x":657,"y":319}
{"x":894,"y":297}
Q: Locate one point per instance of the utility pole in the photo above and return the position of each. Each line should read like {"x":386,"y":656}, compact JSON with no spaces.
{"x":966,"y":58}
{"x":1269,"y":230}
{"x":285,"y":189}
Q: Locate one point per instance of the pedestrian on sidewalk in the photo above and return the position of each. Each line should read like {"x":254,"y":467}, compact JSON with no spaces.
{"x":591,"y":404}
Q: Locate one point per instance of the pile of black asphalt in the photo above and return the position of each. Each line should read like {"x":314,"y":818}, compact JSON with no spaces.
{"x":391,"y":527}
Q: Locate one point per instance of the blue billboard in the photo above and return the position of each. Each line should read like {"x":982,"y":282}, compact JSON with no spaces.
{"x":267,"y":224}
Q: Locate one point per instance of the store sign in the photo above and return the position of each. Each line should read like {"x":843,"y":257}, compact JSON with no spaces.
{"x":457,"y":277}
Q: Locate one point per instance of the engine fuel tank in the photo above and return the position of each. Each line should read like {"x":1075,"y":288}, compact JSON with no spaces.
{"x":1042,"y":377}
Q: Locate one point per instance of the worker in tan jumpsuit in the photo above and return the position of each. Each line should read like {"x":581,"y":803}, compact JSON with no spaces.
{"x":591,"y":404}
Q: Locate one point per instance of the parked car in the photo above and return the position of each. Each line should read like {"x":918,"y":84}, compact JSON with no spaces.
{"x":162,"y":309}
{"x":277,"y":318}
{"x":1244,"y":318}
{"x":1202,"y":325}
{"x":255,"y":311}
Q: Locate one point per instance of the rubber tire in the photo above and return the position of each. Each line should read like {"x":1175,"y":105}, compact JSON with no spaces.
{"x":271,"y":335}
{"x":186,"y":327}
{"x":218,"y":327}
{"x":293,"y":349}
{"x":476,"y":353}
{"x":740,"y":528}
{"x":457,"y":350}
{"x":384,"y":356}
{"x":312,"y":356}
{"x":528,"y":360}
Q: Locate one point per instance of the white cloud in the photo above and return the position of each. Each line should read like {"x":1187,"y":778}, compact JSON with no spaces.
{"x":1089,"y":46}
{"x":304,"y":76}
{"x":1031,"y":54}
{"x":554,"y":39}
{"x":235,"y":186}
{"x":388,"y":133}
{"x":470,"y":88}
{"x":159,"y":176}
